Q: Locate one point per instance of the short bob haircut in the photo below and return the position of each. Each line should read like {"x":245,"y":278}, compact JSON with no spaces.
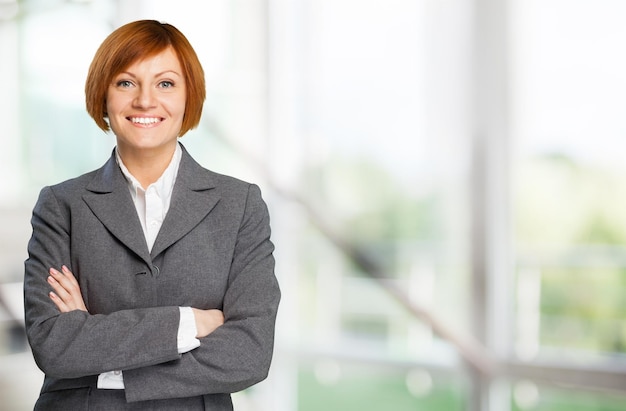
{"x":136,"y":41}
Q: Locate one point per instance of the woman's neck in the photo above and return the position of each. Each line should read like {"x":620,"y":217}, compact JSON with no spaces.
{"x":146,"y":166}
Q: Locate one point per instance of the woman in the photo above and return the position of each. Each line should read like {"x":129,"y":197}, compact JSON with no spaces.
{"x":149,"y":282}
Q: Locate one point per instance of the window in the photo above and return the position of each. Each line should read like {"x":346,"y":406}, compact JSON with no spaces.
{"x":444,"y":179}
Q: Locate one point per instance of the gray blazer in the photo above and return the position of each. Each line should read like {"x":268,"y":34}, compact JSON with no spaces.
{"x":213,"y":251}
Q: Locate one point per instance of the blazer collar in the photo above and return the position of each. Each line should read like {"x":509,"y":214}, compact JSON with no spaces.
{"x":194,"y":196}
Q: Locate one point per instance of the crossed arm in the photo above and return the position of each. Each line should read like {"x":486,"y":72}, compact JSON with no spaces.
{"x":67,"y":297}
{"x":236,"y":349}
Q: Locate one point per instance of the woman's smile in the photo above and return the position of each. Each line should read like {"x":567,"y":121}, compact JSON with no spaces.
{"x":145,"y":121}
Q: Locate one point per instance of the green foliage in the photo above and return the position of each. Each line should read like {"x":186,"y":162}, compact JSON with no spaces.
{"x":571,"y":219}
{"x":374,"y":392}
{"x":558,"y":201}
{"x":569,"y":400}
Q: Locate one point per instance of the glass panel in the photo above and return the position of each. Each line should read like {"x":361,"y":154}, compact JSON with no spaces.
{"x":369,"y":129}
{"x":568,"y":96}
{"x":380,"y":170}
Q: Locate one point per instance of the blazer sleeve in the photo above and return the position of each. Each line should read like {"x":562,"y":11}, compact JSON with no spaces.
{"x":77,"y":344}
{"x":238,"y":353}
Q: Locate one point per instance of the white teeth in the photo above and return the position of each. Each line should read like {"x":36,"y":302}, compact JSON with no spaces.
{"x":145,"y":120}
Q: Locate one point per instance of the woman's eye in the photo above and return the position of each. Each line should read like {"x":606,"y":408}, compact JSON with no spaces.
{"x":124,"y":83}
{"x":166,"y":84}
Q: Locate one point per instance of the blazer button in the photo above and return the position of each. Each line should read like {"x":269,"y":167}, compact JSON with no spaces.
{"x":155,"y":270}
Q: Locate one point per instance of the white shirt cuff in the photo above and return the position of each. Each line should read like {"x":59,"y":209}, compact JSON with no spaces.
{"x":113,"y":380}
{"x":187,"y":331}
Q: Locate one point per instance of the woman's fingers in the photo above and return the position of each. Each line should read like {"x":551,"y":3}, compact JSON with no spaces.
{"x":56,"y":281}
{"x":61,"y":306}
{"x":66,"y":293}
{"x":207,"y":321}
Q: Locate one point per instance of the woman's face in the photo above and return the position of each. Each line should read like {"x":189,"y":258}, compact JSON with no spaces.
{"x":146,"y":104}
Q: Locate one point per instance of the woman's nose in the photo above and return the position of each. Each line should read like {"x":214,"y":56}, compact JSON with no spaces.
{"x":144,"y":98}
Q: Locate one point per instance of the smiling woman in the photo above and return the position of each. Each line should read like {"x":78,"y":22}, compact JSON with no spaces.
{"x":149,"y":282}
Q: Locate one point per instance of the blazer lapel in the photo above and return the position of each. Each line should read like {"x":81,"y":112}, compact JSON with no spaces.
{"x":110,"y":201}
{"x":194,"y":196}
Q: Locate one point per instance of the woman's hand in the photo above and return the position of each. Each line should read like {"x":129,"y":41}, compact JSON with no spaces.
{"x":66,"y":295}
{"x":207,"y":321}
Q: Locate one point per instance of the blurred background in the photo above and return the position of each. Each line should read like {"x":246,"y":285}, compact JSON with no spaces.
{"x":446,"y":181}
